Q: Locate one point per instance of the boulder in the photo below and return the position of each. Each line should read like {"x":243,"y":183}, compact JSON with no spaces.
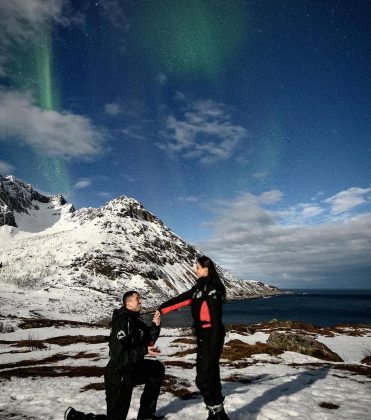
{"x":302,"y":344}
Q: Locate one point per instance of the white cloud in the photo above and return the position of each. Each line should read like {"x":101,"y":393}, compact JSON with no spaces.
{"x":113,"y":109}
{"x":105,"y":194}
{"x":300,"y":213}
{"x":133,"y":132}
{"x":349,"y":199}
{"x":271,"y":197}
{"x":53,"y":133}
{"x":6,"y":168}
{"x":189,"y":199}
{"x":161,"y":78}
{"x":83,"y":183}
{"x":114,"y":10}
{"x":298,"y":249}
{"x":205,"y":133}
{"x":180,"y":97}
{"x":260,"y":175}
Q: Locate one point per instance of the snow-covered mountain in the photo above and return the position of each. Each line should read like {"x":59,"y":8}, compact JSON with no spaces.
{"x":61,"y":263}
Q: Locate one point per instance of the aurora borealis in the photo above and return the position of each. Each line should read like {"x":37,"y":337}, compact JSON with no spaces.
{"x":244,"y":125}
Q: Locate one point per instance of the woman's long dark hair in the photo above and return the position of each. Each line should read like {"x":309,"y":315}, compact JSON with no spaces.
{"x":205,"y":261}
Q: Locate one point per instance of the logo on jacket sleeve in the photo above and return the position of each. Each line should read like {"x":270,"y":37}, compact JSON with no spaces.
{"x":121,"y":335}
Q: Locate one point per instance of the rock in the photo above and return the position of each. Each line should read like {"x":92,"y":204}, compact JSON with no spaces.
{"x":302,"y":344}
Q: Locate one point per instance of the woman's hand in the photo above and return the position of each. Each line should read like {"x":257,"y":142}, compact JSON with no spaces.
{"x":157,"y":318}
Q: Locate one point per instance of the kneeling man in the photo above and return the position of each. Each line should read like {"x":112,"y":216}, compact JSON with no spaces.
{"x":130,"y":340}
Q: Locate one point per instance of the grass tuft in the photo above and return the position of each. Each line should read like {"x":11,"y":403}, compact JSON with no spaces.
{"x":237,"y":350}
{"x":97,"y":386}
{"x":328,"y":405}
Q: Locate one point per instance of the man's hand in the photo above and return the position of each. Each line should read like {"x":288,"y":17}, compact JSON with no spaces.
{"x":157,"y":318}
{"x":153,"y":351}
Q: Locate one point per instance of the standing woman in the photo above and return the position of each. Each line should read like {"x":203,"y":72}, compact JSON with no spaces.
{"x":206,"y":298}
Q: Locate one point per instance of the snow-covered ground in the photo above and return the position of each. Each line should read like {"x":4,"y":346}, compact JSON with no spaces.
{"x":42,"y":383}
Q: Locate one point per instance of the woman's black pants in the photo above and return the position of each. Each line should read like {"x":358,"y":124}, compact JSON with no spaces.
{"x":207,"y":367}
{"x":119,"y":388}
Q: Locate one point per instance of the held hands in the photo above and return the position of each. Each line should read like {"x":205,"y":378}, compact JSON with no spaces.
{"x":153,"y":351}
{"x":157,"y":318}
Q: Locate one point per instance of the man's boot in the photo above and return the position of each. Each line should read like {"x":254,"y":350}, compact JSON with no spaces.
{"x":217,"y":412}
{"x":72,"y":414}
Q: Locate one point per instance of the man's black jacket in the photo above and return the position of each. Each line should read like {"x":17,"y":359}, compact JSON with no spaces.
{"x":129,"y":339}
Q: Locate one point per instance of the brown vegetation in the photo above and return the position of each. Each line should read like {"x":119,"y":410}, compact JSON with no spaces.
{"x":52,"y":371}
{"x":66,"y":340}
{"x":179,"y":363}
{"x":178,"y":388}
{"x":60,"y":341}
{"x":184,"y":352}
{"x":27,"y":323}
{"x":242,"y":379}
{"x":185,"y":340}
{"x":303,"y":328}
{"x":97,"y":386}
{"x":328,"y":405}
{"x":23,"y":363}
{"x":354,"y":369}
{"x":237,"y":350}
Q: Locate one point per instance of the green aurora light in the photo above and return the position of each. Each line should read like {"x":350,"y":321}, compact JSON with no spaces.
{"x":192,"y":38}
{"x":33,"y":71}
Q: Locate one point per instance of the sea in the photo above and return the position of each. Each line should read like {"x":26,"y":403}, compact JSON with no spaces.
{"x":324,"y":308}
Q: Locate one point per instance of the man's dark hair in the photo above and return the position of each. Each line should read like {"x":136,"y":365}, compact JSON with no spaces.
{"x":127,"y":295}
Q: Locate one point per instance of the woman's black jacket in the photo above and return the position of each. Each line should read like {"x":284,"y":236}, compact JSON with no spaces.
{"x":206,"y":303}
{"x":129,"y":339}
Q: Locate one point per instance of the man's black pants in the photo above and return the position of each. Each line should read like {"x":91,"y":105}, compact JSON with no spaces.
{"x":119,"y":388}
{"x":207,"y":367}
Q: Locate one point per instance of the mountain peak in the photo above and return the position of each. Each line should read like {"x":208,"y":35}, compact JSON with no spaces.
{"x":17,"y":196}
{"x":92,"y":255}
{"x":126,"y":206}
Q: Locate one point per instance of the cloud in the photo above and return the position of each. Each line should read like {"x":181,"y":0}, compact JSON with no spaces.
{"x":271,"y":197}
{"x":134,"y":132}
{"x":161,"y":79}
{"x":189,"y":199}
{"x":114,"y":10}
{"x":133,"y":109}
{"x":6,"y":168}
{"x":205,"y":133}
{"x":105,"y":194}
{"x":301,"y":213}
{"x":260,"y":175}
{"x":113,"y":109}
{"x":83,"y":183}
{"x":347,"y":200}
{"x":22,"y":21}
{"x":52,"y":133}
{"x":302,"y":245}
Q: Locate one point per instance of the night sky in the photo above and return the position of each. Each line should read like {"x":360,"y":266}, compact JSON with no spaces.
{"x":244,"y":125}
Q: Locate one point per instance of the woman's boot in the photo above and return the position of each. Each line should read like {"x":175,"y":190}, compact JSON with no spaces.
{"x":217,"y":412}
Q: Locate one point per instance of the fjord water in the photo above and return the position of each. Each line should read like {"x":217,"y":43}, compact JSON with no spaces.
{"x":318,"y":307}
